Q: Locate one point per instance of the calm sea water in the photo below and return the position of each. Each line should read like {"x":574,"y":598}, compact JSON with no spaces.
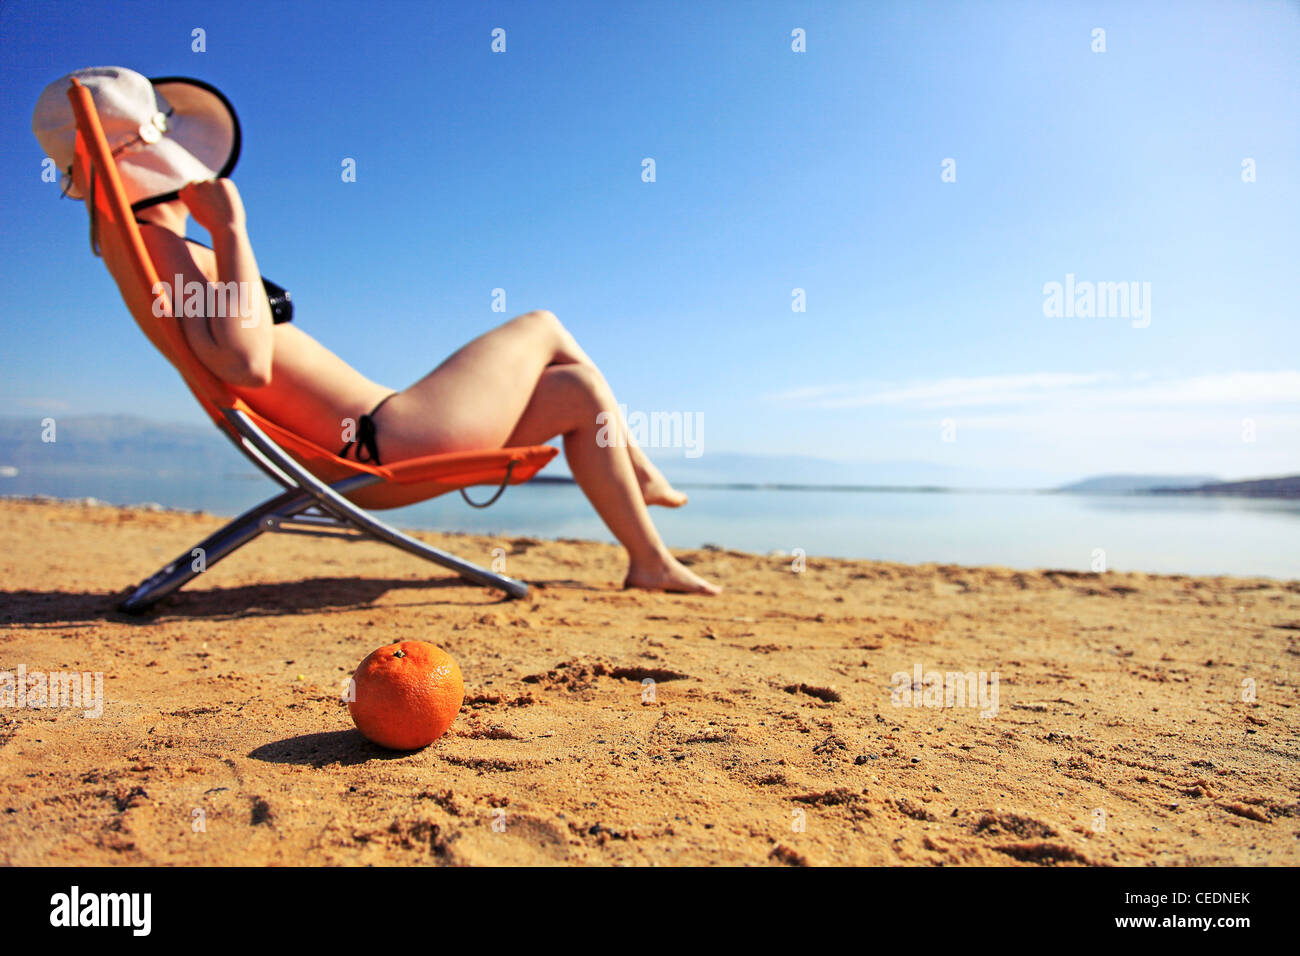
{"x":1184,"y":535}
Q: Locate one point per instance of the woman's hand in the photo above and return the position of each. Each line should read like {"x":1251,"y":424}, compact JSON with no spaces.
{"x":214,"y":204}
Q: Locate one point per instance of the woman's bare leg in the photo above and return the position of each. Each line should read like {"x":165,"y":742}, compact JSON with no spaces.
{"x":524,"y":383}
{"x":517,"y":351}
{"x":655,"y":488}
{"x":567,"y":401}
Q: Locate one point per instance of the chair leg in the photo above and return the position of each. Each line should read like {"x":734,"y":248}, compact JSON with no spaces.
{"x":467,"y":570}
{"x":267,"y":516}
{"x":334,"y":503}
{"x":309,"y":492}
{"x":213,"y":548}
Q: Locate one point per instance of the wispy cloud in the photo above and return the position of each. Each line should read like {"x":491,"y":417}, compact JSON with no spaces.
{"x":1255,"y":388}
{"x":1053,"y":388}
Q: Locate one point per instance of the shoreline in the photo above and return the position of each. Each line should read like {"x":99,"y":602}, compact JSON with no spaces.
{"x":1262,"y":490}
{"x":155,"y":508}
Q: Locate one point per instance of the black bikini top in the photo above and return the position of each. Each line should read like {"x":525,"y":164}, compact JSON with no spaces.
{"x":277,"y":295}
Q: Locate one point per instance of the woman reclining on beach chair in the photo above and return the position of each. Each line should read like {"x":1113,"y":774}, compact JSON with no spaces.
{"x":519,"y":384}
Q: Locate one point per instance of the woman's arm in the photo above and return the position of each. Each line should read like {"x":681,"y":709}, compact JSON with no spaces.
{"x":235,"y":343}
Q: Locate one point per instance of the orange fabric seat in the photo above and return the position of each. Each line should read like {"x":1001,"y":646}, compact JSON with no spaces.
{"x":415,"y":479}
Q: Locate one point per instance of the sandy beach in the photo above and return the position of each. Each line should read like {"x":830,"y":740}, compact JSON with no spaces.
{"x":1139,"y":719}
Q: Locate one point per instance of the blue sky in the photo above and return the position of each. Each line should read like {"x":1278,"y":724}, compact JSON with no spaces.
{"x":775,"y":170}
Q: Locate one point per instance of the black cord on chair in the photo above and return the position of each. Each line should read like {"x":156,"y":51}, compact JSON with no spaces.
{"x":505,"y":481}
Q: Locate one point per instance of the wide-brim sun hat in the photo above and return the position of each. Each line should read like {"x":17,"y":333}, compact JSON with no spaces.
{"x":165,"y":132}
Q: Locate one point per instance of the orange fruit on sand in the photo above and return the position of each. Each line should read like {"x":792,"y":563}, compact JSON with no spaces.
{"x":406,"y":695}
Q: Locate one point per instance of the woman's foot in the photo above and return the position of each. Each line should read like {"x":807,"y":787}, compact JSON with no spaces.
{"x":668,"y":574}
{"x":655,"y":488}
{"x":660,"y":492}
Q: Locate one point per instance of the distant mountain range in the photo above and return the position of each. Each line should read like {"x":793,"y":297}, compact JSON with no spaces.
{"x":118,"y":446}
{"x":123,"y":446}
{"x":1134,"y":484}
{"x":1288,"y":487}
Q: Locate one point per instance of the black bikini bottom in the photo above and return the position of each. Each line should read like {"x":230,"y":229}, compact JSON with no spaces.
{"x":366,"y":442}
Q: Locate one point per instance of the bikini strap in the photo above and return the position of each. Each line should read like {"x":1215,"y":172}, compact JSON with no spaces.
{"x":367,"y":438}
{"x":365,"y":442}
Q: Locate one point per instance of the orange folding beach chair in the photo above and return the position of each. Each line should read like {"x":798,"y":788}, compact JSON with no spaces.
{"x":323,"y":493}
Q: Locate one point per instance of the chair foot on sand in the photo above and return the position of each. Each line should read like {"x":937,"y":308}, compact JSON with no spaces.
{"x":287,"y":513}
